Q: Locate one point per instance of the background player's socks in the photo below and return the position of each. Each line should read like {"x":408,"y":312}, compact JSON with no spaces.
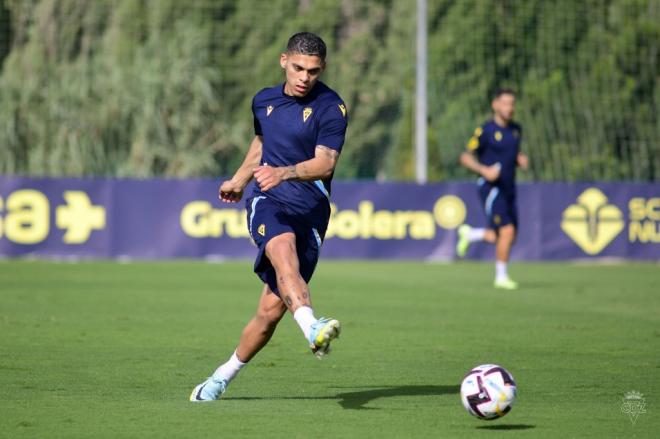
{"x":476,"y":234}
{"x":304,"y":316}
{"x":466,"y":236}
{"x":502,"y":279}
{"x":229,"y":370}
{"x":501,"y":273}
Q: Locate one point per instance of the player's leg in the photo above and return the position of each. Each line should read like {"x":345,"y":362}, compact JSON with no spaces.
{"x":501,"y":212}
{"x":260,"y":329}
{"x":255,"y":336}
{"x":468,"y":234}
{"x":506,"y":236}
{"x":283,"y":254}
{"x":505,"y":239}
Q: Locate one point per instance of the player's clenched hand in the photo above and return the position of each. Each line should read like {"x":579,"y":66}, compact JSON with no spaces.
{"x":230,"y":192}
{"x":268,"y":177}
{"x":492,"y":172}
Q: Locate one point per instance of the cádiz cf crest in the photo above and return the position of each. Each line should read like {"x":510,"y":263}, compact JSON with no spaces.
{"x":306,"y":113}
{"x":498,"y":136}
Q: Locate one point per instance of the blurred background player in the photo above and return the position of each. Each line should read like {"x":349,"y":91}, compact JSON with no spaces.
{"x":299,"y":132}
{"x":493,"y":153}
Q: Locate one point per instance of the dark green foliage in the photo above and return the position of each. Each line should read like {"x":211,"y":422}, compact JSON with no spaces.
{"x":586,"y":73}
{"x":163,"y":88}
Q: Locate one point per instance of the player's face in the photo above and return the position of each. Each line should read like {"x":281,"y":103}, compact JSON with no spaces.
{"x":504,"y":107}
{"x":302,"y":72}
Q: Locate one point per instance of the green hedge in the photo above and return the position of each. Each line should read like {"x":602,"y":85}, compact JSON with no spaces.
{"x":155,"y":88}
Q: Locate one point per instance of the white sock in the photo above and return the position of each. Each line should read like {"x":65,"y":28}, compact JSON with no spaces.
{"x":501,"y":271}
{"x":229,"y":370}
{"x":304,"y":316}
{"x":476,"y":234}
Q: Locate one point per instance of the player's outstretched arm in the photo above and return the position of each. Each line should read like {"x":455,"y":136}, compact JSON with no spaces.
{"x":320,"y":167}
{"x":523,"y":161}
{"x":231,"y":191}
{"x":490,"y":173}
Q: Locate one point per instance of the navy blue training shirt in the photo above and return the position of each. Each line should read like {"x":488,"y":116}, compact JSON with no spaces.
{"x":291,"y":129}
{"x":495,"y":144}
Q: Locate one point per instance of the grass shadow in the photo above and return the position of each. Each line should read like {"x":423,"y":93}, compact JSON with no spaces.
{"x":358,"y":399}
{"x":507,"y":427}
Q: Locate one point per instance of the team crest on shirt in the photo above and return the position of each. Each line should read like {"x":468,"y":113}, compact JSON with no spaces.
{"x":306,"y":113}
{"x":342,"y":108}
{"x":516,"y":133}
{"x":498,"y":135}
{"x":262,"y":230}
{"x":269,"y":109}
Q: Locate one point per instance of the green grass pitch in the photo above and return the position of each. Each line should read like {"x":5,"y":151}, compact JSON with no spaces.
{"x":102,"y":349}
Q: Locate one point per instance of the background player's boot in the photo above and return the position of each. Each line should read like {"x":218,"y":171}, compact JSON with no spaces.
{"x":463,"y":240}
{"x":209,"y":390}
{"x":506,"y":284}
{"x":323,"y":332}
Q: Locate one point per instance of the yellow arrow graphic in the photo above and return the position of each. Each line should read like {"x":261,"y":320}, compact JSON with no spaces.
{"x":79,"y":217}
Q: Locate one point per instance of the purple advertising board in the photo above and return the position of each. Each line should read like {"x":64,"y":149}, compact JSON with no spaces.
{"x":155,"y":219}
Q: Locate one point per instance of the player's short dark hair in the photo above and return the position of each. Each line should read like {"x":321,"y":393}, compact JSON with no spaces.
{"x":306,"y":43}
{"x":503,"y":91}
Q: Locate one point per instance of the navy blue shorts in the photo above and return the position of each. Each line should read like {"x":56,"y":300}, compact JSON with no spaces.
{"x":500,"y":206}
{"x":266,"y":220}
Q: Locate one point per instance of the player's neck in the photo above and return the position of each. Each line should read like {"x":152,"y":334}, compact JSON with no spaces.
{"x":501,"y":122}
{"x":286,"y":91}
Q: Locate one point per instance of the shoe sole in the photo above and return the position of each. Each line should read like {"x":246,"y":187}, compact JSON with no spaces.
{"x":506,"y":287}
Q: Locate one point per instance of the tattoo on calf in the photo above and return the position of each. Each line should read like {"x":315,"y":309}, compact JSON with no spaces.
{"x":288,"y":300}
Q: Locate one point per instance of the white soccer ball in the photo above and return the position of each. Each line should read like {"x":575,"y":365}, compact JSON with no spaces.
{"x":488,"y":391}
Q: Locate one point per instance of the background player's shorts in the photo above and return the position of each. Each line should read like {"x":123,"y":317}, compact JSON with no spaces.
{"x":500,"y":206}
{"x":266,"y":220}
